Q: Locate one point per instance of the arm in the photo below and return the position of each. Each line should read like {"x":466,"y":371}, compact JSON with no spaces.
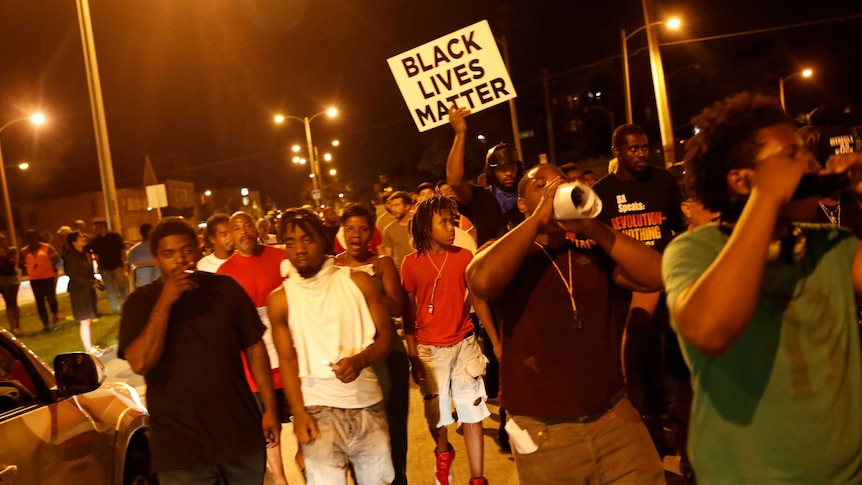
{"x":416,"y":367}
{"x":52,"y":253}
{"x":350,"y":367}
{"x":304,"y":425}
{"x":147,"y":348}
{"x":712,"y":313}
{"x":483,"y":311}
{"x":393,"y":295}
{"x":638,"y":266}
{"x":455,"y":162}
{"x":493,"y":268}
{"x":261,"y":371}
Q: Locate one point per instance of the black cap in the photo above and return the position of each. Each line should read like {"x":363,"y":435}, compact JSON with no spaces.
{"x":501,"y":154}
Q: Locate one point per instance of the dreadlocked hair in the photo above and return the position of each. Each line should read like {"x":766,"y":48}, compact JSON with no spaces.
{"x":423,"y":217}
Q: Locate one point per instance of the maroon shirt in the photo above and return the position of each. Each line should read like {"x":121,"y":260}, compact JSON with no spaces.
{"x":551,"y":367}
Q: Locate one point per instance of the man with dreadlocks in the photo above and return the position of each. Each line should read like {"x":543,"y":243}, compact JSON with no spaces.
{"x":447,"y":362}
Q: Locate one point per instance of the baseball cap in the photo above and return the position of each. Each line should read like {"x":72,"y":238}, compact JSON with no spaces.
{"x":501,"y":154}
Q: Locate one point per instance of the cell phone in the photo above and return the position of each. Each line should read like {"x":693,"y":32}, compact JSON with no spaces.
{"x":821,"y":185}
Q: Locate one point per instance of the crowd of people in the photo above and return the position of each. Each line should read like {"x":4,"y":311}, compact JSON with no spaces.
{"x":724,"y":308}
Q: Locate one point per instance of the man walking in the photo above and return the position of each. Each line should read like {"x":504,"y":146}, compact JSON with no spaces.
{"x":569,"y":421}
{"x":184,"y":334}
{"x":764,"y":307}
{"x":110,"y":252}
{"x":257,"y":268}
{"x":330,"y":326}
{"x":643,"y":202}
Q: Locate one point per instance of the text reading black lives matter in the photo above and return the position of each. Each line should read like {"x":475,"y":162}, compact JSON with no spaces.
{"x":462,"y":74}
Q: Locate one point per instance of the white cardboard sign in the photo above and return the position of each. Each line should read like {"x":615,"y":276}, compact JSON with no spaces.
{"x":464,"y":67}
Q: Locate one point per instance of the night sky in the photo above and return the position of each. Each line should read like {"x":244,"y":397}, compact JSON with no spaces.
{"x":194,"y":83}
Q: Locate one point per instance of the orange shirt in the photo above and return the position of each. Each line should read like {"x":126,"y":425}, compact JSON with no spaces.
{"x":39,"y":264}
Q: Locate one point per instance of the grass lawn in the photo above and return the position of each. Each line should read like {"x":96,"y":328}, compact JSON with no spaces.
{"x":67,"y":338}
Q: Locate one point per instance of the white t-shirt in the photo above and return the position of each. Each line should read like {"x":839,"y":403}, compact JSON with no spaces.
{"x":210,"y":263}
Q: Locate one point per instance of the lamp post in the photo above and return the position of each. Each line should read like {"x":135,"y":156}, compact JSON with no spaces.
{"x":37,"y":119}
{"x":803,"y":73}
{"x":315,"y":166}
{"x":671,"y":24}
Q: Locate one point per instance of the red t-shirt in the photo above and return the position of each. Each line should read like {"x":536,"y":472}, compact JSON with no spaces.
{"x":258,"y":275}
{"x":450,"y":321}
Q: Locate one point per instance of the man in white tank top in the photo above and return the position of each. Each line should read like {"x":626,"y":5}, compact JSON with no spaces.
{"x":329,"y":327}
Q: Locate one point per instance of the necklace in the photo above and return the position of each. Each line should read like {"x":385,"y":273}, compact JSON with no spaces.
{"x":436,"y":280}
{"x":833,"y":215}
{"x":568,"y":284}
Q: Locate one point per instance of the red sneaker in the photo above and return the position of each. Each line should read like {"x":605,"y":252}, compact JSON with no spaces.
{"x":443,"y":472}
{"x":478,"y":481}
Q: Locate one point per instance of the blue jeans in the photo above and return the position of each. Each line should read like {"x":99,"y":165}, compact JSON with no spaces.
{"x":245,"y":470}
{"x":615,"y":448}
{"x":358,"y":435}
{"x":116,"y":285}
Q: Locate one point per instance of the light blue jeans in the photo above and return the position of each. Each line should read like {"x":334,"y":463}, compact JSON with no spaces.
{"x":116,"y":285}
{"x":359,"y":436}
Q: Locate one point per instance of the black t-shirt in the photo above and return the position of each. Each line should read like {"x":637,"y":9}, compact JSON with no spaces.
{"x":647,"y":209}
{"x":488,"y":218}
{"x":109,"y":248}
{"x":202,"y":410}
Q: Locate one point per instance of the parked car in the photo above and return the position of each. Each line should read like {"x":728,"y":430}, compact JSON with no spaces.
{"x":68,"y":426}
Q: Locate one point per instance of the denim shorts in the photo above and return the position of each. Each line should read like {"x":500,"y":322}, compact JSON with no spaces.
{"x":453,"y":376}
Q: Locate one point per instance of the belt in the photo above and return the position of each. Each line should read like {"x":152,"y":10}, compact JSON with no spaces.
{"x":588,"y":418}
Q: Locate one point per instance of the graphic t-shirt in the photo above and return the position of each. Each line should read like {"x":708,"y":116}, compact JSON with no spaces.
{"x":444,"y":318}
{"x":781,"y":405}
{"x":647,"y":209}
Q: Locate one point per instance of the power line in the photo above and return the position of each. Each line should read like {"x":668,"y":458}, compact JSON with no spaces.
{"x":764,"y":30}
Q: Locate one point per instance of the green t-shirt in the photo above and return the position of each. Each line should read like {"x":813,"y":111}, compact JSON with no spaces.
{"x":784,"y":403}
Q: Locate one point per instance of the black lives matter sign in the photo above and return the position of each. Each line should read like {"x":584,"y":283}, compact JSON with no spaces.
{"x":464,"y":68}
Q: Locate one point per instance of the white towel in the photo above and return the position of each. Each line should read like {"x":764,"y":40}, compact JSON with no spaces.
{"x":328,"y":319}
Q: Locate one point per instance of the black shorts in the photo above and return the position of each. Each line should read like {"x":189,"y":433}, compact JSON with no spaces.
{"x":282,"y":407}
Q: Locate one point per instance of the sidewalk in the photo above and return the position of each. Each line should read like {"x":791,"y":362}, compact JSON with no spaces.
{"x":25,"y":293}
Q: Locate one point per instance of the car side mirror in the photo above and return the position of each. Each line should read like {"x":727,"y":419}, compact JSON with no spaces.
{"x":78,"y":372}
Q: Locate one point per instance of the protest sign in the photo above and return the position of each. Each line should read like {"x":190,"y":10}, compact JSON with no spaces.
{"x":464,"y":67}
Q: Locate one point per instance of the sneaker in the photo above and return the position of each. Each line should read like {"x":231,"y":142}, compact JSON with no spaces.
{"x":478,"y":481}
{"x":443,"y":472}
{"x":96,"y":350}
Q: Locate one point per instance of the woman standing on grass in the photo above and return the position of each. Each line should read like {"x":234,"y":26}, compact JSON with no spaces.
{"x":9,"y":283}
{"x":81,"y":282}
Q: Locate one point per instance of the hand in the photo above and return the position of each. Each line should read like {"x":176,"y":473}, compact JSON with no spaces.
{"x":852,"y":164}
{"x":778,"y":174}
{"x":545,"y":209}
{"x":348,"y":369}
{"x":417,"y":370}
{"x":271,"y":428}
{"x":456,"y":118}
{"x":177,"y":282}
{"x":498,"y":351}
{"x":304,"y":427}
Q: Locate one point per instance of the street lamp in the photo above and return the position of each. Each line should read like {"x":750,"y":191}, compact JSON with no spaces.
{"x":36,"y":119}
{"x":803,"y":73}
{"x":671,"y":24}
{"x":315,"y":168}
